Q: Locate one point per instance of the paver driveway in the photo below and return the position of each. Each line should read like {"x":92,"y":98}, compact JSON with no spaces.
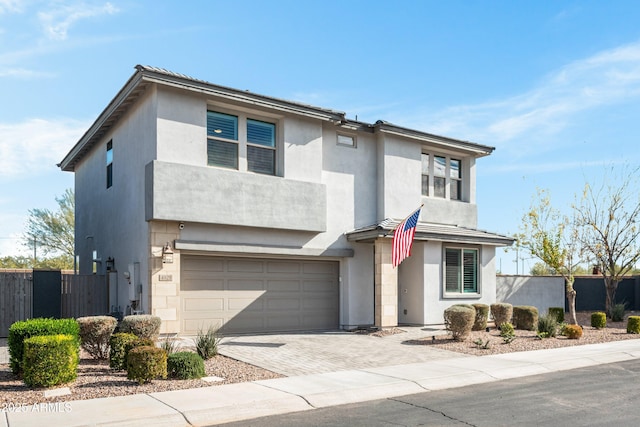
{"x":318,"y":352}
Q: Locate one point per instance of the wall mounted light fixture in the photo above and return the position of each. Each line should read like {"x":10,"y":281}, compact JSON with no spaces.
{"x":167,"y":254}
{"x":111,"y":263}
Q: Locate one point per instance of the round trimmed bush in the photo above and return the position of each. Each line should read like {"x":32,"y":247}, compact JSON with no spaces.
{"x":146,"y":363}
{"x":633,"y":325}
{"x":599,"y":320}
{"x":142,"y":325}
{"x":119,"y":343}
{"x":185,"y":365}
{"x":95,"y":332}
{"x":573,"y":332}
{"x":50,"y":360}
{"x":525,"y":317}
{"x":558,"y":312}
{"x":501,"y":312}
{"x":21,"y":330}
{"x":459,"y":319}
{"x":482,"y":315}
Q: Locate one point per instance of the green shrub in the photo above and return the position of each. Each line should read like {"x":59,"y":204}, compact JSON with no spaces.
{"x":50,"y":360}
{"x":185,"y":365}
{"x":482,"y":315}
{"x":501,"y":312}
{"x":547,"y":326}
{"x":207,"y":342}
{"x":142,"y":325}
{"x":20,"y":331}
{"x":95,"y":332}
{"x":572,"y":332}
{"x":119,"y":343}
{"x":633,"y":325}
{"x":558,"y":312}
{"x":617,"y":312}
{"x":506,"y":329}
{"x":459,"y":319}
{"x":599,"y":320}
{"x":145,"y":363}
{"x":525,"y":317}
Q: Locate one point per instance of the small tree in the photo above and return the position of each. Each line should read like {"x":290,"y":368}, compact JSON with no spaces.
{"x":608,"y":217}
{"x":552,"y":238}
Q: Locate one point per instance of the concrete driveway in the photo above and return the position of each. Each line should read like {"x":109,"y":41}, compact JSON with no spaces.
{"x":294,"y":354}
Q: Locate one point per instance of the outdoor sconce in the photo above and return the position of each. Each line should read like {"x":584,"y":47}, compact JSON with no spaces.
{"x":167,"y":254}
{"x":111,"y":263}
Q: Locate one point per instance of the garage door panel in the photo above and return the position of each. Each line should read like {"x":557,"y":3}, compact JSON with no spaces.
{"x":245,"y":285}
{"x":258,"y":295}
{"x":245,"y":304}
{"x":245,"y":266}
{"x":202,"y":324}
{"x":203,"y":304}
{"x":283,"y":267}
{"x":283,"y":285}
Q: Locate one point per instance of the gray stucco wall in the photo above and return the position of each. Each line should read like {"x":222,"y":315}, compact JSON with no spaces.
{"x":541,"y":292}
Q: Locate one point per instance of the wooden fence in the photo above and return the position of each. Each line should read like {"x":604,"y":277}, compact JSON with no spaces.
{"x":80,"y":296}
{"x":16,"y":295}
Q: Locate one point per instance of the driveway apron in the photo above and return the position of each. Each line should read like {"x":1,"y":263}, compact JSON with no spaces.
{"x":307,"y":353}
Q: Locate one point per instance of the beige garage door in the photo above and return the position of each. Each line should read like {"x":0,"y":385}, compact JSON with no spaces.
{"x":258,"y":295}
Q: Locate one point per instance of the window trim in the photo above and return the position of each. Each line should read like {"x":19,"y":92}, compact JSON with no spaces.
{"x":478,"y":267}
{"x":449,"y":181}
{"x":242,"y":161}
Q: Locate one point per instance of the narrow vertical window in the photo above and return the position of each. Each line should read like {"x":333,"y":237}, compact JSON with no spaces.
{"x":425,"y":174}
{"x":109,"y":164}
{"x":261,"y":147}
{"x":222,"y":140}
{"x":439,"y":176}
{"x":456,"y":179}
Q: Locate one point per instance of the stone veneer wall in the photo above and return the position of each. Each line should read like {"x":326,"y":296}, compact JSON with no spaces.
{"x":165,"y":278}
{"x":386,"y":286}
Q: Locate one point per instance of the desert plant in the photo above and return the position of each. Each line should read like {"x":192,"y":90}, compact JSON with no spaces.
{"x":558,"y":312}
{"x":145,"y":363}
{"x":459,"y":319}
{"x":142,"y":325}
{"x":185,"y":365}
{"x":633,"y":325}
{"x":482,"y":315}
{"x":501,"y":312}
{"x":95,"y":332}
{"x":599,"y":319}
{"x":21,"y":330}
{"x":50,"y":360}
{"x":617,"y":312}
{"x":507,"y":332}
{"x":525,"y":317}
{"x":207,"y":342}
{"x":120,"y":343}
{"x":573,"y":332}
{"x":481,"y":344}
{"x":170,"y":345}
{"x":547,"y":326}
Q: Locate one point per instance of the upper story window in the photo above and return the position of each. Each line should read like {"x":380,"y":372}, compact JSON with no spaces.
{"x":346,"y":140}
{"x":441,"y":176}
{"x":461,"y":271}
{"x":109,"y":164}
{"x":231,"y":139}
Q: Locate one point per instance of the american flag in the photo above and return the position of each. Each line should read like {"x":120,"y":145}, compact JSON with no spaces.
{"x":403,"y":238}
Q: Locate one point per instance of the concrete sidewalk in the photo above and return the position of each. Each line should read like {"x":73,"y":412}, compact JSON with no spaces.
{"x":235,"y":402}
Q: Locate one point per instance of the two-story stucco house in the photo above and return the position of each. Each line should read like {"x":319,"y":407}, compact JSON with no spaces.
{"x":212,"y":205}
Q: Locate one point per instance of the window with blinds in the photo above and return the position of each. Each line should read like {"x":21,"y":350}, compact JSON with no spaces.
{"x":224,"y":143}
{"x":461,"y":270}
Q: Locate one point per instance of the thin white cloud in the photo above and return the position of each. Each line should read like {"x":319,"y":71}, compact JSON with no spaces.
{"x":607,"y":78}
{"x":24,"y":73}
{"x":57,"y":21}
{"x":7,"y":6}
{"x":35,"y":146}
{"x":548,"y":167}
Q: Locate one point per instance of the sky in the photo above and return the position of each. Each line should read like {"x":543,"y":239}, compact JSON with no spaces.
{"x":554,"y":86}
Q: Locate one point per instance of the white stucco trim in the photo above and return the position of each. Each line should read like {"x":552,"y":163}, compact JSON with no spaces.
{"x":213,"y":247}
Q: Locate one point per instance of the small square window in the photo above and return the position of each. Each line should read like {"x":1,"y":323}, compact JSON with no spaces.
{"x":347,"y":140}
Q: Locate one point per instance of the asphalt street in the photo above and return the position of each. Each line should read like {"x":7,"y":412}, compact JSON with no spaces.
{"x":593,"y":396}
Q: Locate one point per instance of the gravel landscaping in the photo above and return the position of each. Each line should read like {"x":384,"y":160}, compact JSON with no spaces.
{"x":96,"y":379}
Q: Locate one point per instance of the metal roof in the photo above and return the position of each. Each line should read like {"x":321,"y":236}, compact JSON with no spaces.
{"x":427,"y":231}
{"x":144,"y":76}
